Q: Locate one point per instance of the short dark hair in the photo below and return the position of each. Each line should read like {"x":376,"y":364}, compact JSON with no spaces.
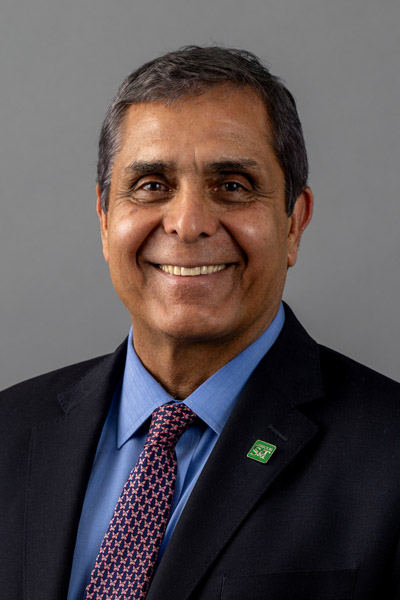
{"x":191,"y":71}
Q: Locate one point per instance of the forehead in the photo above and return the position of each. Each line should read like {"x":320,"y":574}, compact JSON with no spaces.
{"x":223,"y":120}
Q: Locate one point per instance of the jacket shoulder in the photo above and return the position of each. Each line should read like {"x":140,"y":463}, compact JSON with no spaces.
{"x":353,"y":382}
{"x":346,"y":369}
{"x":33,"y":398}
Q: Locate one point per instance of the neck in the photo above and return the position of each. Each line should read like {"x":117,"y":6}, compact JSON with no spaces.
{"x":181,"y":366}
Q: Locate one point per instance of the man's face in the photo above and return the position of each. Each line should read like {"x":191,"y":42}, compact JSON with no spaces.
{"x":196,"y":235}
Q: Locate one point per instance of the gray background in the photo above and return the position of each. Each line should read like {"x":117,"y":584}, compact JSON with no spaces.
{"x":60,"y":66}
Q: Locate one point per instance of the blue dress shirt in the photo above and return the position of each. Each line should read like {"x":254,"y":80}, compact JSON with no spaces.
{"x":124,"y":434}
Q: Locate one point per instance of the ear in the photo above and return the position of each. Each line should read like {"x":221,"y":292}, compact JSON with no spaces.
{"x":103,"y":218}
{"x":297,"y":222}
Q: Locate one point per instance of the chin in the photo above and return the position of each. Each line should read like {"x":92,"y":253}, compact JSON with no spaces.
{"x":194,"y":333}
{"x":195,"y":324}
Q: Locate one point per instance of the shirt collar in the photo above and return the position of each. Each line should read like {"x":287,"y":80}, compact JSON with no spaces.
{"x":213,"y":401}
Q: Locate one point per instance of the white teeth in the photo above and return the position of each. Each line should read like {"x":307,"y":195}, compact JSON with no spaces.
{"x":191,"y":271}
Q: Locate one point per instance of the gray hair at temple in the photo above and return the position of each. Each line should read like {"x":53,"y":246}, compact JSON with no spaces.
{"x":191,"y":71}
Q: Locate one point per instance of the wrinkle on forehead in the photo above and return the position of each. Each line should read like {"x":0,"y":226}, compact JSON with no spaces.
{"x":224,"y":92}
{"x":192,"y":132}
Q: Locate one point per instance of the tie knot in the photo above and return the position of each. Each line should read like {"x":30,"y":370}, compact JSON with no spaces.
{"x":168,"y":422}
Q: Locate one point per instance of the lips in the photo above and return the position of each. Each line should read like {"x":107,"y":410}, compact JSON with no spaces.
{"x":191,"y":271}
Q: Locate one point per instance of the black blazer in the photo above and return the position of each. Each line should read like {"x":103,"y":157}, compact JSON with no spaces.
{"x":320,"y":520}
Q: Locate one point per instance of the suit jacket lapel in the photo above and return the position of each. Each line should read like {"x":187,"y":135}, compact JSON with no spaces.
{"x":231,"y":483}
{"x":61,"y":457}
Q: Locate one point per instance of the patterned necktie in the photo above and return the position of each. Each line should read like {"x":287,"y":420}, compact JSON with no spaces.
{"x":125,"y":563}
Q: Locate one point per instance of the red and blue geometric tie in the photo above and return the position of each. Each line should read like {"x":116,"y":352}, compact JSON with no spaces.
{"x":125,"y":563}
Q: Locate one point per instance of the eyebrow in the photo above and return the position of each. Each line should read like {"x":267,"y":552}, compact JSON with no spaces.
{"x":243,"y":164}
{"x":142,"y":167}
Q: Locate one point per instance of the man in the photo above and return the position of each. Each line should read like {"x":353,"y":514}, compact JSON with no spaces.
{"x":285,"y":480}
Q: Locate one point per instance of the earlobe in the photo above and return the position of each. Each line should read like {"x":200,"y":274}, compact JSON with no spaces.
{"x":103,"y":223}
{"x":298,"y":221}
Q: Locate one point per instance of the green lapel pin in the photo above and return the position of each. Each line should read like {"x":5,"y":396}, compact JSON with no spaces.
{"x":261,"y":451}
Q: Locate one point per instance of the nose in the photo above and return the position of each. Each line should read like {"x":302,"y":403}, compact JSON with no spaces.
{"x":190,"y":215}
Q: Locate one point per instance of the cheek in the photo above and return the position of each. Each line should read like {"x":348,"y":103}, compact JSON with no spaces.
{"x":127,"y":234}
{"x":262,"y":237}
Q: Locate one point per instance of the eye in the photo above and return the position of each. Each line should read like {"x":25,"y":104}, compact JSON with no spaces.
{"x":232,"y":186}
{"x":233,"y":183}
{"x":153,"y":186}
{"x":229,"y":190}
{"x":148,"y":190}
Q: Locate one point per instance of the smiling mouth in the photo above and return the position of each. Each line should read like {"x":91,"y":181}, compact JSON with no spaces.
{"x":191,"y":271}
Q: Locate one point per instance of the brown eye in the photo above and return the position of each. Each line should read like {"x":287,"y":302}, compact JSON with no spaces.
{"x":232,"y":186}
{"x":230,"y":191}
{"x":153,"y":186}
{"x":148,"y":191}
